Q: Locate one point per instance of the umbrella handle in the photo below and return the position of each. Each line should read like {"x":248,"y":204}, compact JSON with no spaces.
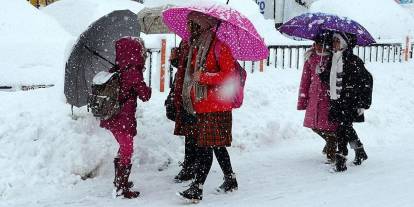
{"x":98,"y":55}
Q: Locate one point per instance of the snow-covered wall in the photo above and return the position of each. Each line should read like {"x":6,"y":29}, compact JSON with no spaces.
{"x":384,"y":19}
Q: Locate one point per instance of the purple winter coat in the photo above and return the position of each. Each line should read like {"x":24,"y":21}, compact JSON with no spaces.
{"x":131,"y":63}
{"x":313,"y":96}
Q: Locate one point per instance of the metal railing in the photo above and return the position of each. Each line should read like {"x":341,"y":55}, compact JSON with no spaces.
{"x":292,"y":56}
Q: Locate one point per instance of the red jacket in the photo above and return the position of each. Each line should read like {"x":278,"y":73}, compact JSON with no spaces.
{"x":132,"y":85}
{"x":218,"y":71}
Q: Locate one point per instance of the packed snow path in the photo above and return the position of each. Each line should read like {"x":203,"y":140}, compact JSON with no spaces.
{"x":292,"y":174}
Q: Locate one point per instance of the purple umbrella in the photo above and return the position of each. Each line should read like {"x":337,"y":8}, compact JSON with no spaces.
{"x":309,"y":25}
{"x":235,"y":29}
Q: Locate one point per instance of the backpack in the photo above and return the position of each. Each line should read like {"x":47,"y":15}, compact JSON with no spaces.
{"x":103,"y":101}
{"x":365,"y":85}
{"x":242,"y":75}
{"x":170,"y":110}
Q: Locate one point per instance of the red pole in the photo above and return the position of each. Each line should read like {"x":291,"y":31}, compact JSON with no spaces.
{"x":162,"y":69}
{"x":261,"y":66}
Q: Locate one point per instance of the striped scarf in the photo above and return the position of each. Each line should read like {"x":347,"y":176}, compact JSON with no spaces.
{"x":337,"y":69}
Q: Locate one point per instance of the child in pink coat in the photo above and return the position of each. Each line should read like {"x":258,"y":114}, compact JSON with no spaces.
{"x":313,"y":95}
{"x":130,"y":61}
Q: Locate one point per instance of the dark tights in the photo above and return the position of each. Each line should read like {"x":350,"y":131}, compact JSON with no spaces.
{"x":190,"y":152}
{"x":205,"y":160}
{"x":347,"y":134}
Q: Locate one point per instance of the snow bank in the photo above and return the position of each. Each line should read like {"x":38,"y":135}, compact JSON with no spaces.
{"x":32,"y":45}
{"x":76,"y":15}
{"x":384,"y":19}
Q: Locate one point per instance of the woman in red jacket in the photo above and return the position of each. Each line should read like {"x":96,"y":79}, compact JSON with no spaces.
{"x":206,"y":94}
{"x":130,"y":59}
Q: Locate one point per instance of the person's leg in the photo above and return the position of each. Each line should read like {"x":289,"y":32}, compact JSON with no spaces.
{"x":190,"y":153}
{"x":223,"y":158}
{"x":202,"y":168}
{"x":356,"y":144}
{"x":342,"y":151}
{"x":123,"y":166}
{"x":204,"y":162}
{"x":330,"y":146}
{"x":126,"y":148}
{"x":187,"y":171}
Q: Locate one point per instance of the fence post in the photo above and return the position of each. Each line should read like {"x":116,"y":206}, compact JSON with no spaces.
{"x":276,"y":57}
{"x":162,"y":68}
{"x":407,"y":47}
{"x":150,"y":68}
{"x":268,"y":58}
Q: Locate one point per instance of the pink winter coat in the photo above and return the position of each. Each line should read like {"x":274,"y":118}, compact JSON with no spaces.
{"x":130,"y":62}
{"x":313,"y":96}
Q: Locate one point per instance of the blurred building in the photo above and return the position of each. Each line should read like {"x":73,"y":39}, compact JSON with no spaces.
{"x":282,"y":10}
{"x":39,"y":3}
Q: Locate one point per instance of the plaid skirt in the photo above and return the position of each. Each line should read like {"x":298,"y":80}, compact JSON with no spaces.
{"x":185,"y":124}
{"x":214,"y":129}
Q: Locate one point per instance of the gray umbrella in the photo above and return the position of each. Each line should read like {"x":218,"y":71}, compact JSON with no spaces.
{"x":150,"y":20}
{"x":99,"y":38}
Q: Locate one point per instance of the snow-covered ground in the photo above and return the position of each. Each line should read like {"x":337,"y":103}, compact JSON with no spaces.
{"x":278,"y":162}
{"x":50,"y":158}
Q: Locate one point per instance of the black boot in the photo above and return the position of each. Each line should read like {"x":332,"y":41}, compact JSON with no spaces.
{"x":229,"y":184}
{"x":121,"y":182}
{"x":185,"y":174}
{"x":194,"y":194}
{"x":360,"y":156}
{"x":340,"y":163}
{"x":116,"y":164}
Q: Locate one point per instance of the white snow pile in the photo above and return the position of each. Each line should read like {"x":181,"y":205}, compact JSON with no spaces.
{"x":76,"y":15}
{"x":384,"y":19}
{"x":32,"y":45}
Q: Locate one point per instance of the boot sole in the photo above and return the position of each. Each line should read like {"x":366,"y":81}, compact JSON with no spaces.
{"x":359,"y":163}
{"x":221,"y":191}
{"x":187,"y":200}
{"x":182,"y":181}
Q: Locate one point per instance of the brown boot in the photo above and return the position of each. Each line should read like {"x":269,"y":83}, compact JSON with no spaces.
{"x":121,"y":182}
{"x":330,"y":148}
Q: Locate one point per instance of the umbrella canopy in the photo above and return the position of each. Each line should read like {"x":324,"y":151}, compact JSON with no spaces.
{"x":151,"y":22}
{"x":100,"y":37}
{"x":235,"y":29}
{"x":309,"y":25}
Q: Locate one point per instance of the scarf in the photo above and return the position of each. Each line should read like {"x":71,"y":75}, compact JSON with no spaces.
{"x":337,"y":69}
{"x":202,"y":45}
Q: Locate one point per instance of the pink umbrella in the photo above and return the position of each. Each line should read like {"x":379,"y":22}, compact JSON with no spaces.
{"x":235,"y":29}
